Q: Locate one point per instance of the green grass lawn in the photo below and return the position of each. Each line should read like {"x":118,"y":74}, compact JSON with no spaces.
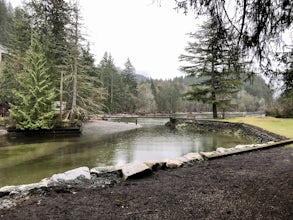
{"x":281,"y":126}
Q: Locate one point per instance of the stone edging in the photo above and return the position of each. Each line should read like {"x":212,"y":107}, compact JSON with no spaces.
{"x":101,"y":176}
{"x":3,"y":132}
{"x":257,"y":134}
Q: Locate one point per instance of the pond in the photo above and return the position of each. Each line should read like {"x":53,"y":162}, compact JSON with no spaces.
{"x":30,"y":159}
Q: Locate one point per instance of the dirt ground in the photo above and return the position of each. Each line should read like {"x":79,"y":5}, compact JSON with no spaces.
{"x":255,"y":185}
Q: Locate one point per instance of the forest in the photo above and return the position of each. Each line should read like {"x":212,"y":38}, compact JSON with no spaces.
{"x":49,"y":75}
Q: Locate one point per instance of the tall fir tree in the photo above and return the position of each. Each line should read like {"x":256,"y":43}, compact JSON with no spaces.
{"x":130,"y":84}
{"x":17,"y":44}
{"x":111,"y":82}
{"x":33,"y":105}
{"x":6,"y":15}
{"x":215,"y":60}
{"x":50,"y":21}
{"x":91,"y":94}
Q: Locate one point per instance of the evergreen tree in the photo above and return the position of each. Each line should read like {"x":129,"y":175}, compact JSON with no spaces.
{"x":33,"y":107}
{"x":75,"y":54}
{"x":130,"y":90}
{"x":112,"y":83}
{"x":214,"y":60}
{"x":286,"y":99}
{"x":91,"y":94}
{"x":51,"y":21}
{"x":257,"y":24}
{"x":6,"y":14}
{"x":20,"y":34}
{"x":155,"y":93}
{"x":287,"y":74}
{"x":18,"y":43}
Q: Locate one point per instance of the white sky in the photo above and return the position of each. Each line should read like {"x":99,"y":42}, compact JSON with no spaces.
{"x":150,"y":35}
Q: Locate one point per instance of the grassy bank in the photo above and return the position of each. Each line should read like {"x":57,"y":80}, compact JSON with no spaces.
{"x":281,"y":126}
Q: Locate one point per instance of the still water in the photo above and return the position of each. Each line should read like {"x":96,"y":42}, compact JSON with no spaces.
{"x":30,"y":159}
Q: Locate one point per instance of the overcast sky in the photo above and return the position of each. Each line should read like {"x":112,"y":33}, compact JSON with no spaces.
{"x":150,"y":34}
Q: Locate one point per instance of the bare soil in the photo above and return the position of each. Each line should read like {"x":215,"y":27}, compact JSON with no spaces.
{"x":255,"y":185}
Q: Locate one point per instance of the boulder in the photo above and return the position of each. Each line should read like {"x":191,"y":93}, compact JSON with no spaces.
{"x":108,"y":175}
{"x":193,"y":157}
{"x":223,"y":150}
{"x":183,"y":159}
{"x":76,"y":176}
{"x":2,"y":132}
{"x":209,"y":154}
{"x":244,"y":146}
{"x":6,"y":190}
{"x":135,"y":169}
{"x":101,"y":171}
{"x":174,"y":163}
{"x":155,"y":165}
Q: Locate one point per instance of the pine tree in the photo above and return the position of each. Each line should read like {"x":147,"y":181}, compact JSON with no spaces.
{"x":112,"y":84}
{"x":33,"y":106}
{"x":155,"y":93}
{"x":6,"y":14}
{"x":91,"y":94}
{"x":130,"y":91}
{"x":19,"y":39}
{"x":51,"y":21}
{"x":257,"y":24}
{"x":215,"y":61}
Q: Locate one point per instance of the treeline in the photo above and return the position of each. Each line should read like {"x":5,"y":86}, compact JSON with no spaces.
{"x":49,"y":66}
{"x":167,"y":96}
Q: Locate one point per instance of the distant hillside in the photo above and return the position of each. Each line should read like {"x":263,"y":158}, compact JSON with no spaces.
{"x":140,"y":77}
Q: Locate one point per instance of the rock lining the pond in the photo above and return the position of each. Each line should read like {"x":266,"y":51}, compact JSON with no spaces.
{"x":76,"y":176}
{"x":101,"y":176}
{"x":221,"y":152}
{"x":135,"y":169}
{"x":257,"y":134}
{"x":3,"y":132}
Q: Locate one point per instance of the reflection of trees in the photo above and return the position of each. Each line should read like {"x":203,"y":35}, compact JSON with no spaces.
{"x":125,"y":147}
{"x":20,"y":154}
{"x":27,"y":163}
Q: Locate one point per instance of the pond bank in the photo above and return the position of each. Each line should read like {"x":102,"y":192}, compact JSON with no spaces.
{"x":101,"y":176}
{"x":257,"y":134}
{"x":255,"y":185}
{"x":98,"y":126}
{"x":177,"y":189}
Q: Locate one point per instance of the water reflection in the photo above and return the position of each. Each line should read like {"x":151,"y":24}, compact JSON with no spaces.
{"x":29,"y":159}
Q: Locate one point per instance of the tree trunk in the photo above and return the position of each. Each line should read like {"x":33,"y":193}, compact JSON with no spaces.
{"x":61,"y":95}
{"x":112,"y":92}
{"x":75,"y":56}
{"x":215,"y":112}
{"x":74,"y":90}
